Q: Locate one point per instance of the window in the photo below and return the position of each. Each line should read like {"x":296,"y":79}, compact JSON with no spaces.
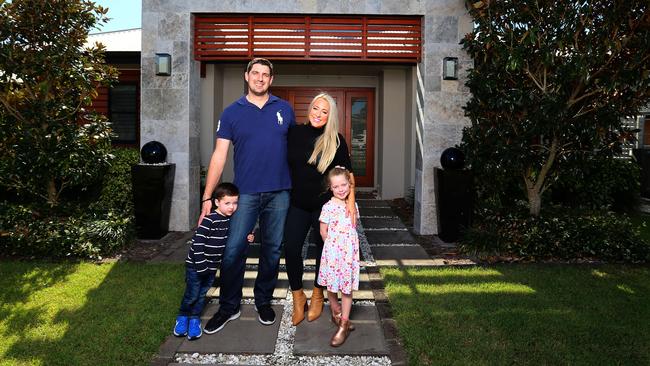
{"x":123,"y":113}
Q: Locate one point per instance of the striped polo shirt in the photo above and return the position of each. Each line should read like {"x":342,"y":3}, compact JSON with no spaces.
{"x":208,"y":243}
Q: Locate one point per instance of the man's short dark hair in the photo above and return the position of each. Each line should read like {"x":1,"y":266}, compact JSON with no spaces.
{"x":226,"y":189}
{"x":261,"y":61}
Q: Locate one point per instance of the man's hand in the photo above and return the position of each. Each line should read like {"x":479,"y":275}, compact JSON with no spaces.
{"x":206,"y":207}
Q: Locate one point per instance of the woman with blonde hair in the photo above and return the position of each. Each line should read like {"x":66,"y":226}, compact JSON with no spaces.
{"x":314,"y":148}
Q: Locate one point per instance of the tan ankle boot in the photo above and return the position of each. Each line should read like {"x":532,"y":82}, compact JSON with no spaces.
{"x":316,"y":304}
{"x":341,"y":334}
{"x":336,"y":319}
{"x":299,"y":306}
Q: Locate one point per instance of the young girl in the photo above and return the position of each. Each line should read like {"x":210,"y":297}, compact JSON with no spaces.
{"x":339,"y":264}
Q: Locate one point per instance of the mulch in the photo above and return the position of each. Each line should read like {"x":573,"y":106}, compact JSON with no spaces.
{"x":142,"y":250}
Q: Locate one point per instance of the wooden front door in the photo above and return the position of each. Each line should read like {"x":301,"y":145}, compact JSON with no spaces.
{"x":356,"y":107}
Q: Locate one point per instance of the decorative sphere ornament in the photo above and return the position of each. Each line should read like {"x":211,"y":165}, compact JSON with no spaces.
{"x":452,"y":158}
{"x":153,"y":152}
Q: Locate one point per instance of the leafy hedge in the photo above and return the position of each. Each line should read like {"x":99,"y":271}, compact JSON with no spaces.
{"x":117,"y":194}
{"x":82,"y":230}
{"x":556,"y":234}
{"x":588,"y":181}
{"x":596,"y":182}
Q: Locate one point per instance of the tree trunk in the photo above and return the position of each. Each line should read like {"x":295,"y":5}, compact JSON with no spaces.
{"x":52,"y":195}
{"x":534,"y":201}
{"x":535,"y":182}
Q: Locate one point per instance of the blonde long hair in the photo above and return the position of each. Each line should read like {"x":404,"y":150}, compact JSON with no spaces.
{"x":327,"y":143}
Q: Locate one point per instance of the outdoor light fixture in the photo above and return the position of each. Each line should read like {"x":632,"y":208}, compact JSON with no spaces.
{"x":163,"y":64}
{"x":450,"y":68}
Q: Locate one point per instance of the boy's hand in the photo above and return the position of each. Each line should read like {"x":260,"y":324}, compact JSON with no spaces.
{"x":251,"y":237}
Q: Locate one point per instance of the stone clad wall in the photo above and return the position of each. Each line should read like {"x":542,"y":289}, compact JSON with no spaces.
{"x":170,"y":105}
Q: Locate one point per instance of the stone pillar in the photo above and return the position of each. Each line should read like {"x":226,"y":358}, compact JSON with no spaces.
{"x":439,"y":117}
{"x":170,"y":107}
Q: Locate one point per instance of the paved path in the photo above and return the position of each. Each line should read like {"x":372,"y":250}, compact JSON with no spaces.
{"x":384,"y":241}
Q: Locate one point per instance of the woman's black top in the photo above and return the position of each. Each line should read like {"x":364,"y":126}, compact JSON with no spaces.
{"x":309,"y":191}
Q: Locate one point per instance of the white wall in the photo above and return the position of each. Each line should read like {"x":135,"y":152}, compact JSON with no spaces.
{"x":392,"y":135}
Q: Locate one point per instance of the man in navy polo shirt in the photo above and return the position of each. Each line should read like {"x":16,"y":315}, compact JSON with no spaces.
{"x":257,"y":126}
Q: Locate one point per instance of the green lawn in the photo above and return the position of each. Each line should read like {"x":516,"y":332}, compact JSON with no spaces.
{"x":86,"y":314}
{"x":523,"y":314}
{"x":118,"y":314}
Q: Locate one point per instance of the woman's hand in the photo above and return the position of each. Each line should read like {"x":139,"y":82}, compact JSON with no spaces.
{"x":351,"y":203}
{"x":351,"y":210}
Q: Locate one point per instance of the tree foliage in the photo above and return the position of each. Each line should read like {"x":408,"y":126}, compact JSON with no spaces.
{"x":49,"y":141}
{"x":552,"y":80}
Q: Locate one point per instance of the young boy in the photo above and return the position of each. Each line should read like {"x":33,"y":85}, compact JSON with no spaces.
{"x":203,"y":259}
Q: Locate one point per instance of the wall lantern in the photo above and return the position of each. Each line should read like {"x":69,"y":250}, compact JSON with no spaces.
{"x":163,"y":64}
{"x":450,"y":68}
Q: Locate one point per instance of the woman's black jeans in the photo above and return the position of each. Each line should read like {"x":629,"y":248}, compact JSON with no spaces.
{"x":295,"y":231}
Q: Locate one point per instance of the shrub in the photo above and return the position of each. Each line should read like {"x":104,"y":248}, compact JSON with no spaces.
{"x":25,"y":232}
{"x":116,"y":194}
{"x":74,"y":229}
{"x":556,"y":234}
{"x":596,"y":182}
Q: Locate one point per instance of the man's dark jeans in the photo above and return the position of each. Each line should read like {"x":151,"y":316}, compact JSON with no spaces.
{"x":271,"y":209}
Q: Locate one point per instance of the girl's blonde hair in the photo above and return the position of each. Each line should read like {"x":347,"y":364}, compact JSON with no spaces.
{"x":338,"y":170}
{"x":327,"y":143}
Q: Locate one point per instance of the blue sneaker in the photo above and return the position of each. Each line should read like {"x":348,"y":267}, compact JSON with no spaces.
{"x":195,"y":330}
{"x":180,"y":329}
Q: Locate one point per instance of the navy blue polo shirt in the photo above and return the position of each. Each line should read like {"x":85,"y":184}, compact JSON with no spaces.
{"x":259,"y":136}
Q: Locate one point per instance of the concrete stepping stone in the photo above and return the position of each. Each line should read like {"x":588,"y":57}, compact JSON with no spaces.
{"x":280,"y":291}
{"x":401,"y":255}
{"x":245,"y":335}
{"x":254,"y":251}
{"x":386,"y":223}
{"x":312,"y":338}
{"x":376,"y":212}
{"x":176,"y":244}
{"x":389,"y":237}
{"x":370,"y":203}
{"x":282,"y":287}
{"x":364,"y":292}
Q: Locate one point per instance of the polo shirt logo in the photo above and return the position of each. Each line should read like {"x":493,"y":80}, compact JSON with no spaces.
{"x":280,"y":120}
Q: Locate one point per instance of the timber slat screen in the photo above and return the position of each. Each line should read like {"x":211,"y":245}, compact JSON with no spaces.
{"x":326,"y":38}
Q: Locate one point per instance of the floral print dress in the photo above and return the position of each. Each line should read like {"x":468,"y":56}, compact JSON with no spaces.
{"x":339,"y":263}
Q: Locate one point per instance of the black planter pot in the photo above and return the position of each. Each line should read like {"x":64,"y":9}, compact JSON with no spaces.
{"x":642,"y":157}
{"x":455,"y":202}
{"x":152,"y":197}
